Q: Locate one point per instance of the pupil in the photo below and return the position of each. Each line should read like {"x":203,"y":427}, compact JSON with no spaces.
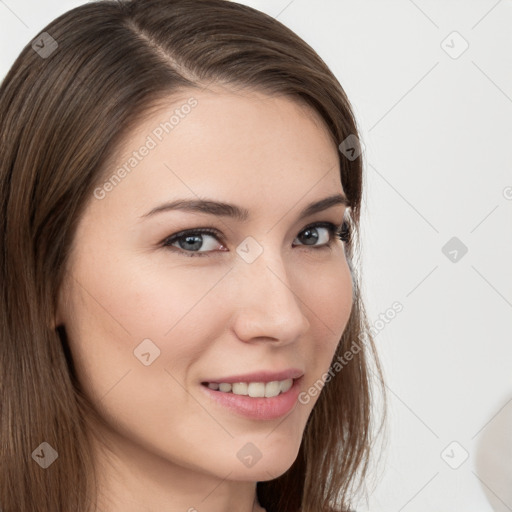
{"x":195,"y":240}
{"x":311,"y":235}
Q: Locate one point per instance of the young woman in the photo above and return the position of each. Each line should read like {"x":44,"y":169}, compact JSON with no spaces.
{"x":182,"y":326}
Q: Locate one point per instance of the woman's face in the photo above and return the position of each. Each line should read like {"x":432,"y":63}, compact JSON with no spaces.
{"x":151,"y":318}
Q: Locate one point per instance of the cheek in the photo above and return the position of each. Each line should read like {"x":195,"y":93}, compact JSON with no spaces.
{"x":330,"y":299}
{"x":329,"y":305}
{"x":136,"y":298}
{"x":119,"y":304}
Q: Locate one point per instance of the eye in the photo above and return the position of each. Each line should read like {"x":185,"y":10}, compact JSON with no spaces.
{"x":310,"y":234}
{"x":189,"y":242}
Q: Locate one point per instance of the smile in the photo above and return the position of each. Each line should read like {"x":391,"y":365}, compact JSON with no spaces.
{"x":253,"y":389}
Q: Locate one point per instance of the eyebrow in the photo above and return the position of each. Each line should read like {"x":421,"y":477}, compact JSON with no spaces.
{"x":238,"y":213}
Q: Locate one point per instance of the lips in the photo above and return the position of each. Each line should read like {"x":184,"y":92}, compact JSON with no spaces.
{"x":256,"y":408}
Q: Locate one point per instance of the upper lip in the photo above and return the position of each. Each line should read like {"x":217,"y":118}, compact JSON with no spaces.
{"x":261,"y":376}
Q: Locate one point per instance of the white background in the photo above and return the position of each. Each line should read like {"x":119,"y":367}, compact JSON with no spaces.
{"x":438,"y":163}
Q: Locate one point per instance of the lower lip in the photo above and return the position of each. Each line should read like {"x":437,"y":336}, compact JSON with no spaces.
{"x":258,"y":408}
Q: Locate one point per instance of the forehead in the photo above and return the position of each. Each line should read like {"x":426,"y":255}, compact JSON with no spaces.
{"x":243,"y":145}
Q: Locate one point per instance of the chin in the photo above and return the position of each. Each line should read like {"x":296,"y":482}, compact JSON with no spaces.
{"x":264,"y":459}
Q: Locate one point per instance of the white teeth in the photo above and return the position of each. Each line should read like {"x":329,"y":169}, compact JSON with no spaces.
{"x":254,"y":389}
{"x":240,"y":388}
{"x":272,"y":389}
{"x":286,"y":385}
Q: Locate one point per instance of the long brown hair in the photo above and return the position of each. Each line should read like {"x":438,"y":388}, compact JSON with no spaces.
{"x":68,"y":101}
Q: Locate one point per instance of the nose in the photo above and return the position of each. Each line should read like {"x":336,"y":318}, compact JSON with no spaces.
{"x":267,"y":304}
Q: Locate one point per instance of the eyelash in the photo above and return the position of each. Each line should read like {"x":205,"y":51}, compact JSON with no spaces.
{"x":342,"y":232}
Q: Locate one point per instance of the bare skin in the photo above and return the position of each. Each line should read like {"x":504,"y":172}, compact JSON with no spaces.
{"x":168,"y":446}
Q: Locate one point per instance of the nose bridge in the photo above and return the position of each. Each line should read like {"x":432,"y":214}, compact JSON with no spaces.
{"x":268,"y":305}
